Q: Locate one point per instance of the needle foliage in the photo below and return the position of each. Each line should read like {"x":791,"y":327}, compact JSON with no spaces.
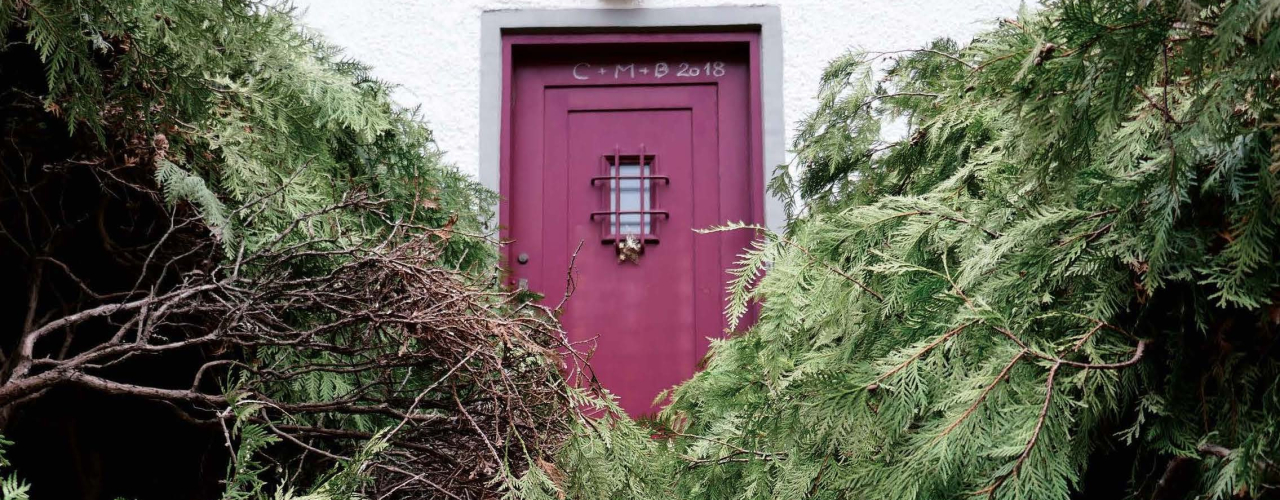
{"x":240,"y":105}
{"x":242,"y":272}
{"x":1060,"y":281}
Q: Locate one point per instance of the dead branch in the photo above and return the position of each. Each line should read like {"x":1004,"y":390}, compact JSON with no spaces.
{"x":463,"y":375}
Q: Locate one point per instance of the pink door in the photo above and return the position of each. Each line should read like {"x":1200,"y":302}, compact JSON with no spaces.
{"x":618,"y":151}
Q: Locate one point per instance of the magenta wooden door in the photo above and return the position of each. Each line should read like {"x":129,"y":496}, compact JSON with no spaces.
{"x":617,"y":152}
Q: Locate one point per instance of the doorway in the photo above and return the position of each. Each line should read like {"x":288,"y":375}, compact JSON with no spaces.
{"x":616,"y":147}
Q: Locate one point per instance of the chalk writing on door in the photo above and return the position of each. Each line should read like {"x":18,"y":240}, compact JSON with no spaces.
{"x":658,"y":70}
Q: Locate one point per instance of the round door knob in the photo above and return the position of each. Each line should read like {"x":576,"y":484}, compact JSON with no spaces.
{"x":523,"y":258}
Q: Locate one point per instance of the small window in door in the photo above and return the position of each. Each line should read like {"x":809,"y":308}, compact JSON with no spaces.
{"x":631,"y":198}
{"x":629,"y":195}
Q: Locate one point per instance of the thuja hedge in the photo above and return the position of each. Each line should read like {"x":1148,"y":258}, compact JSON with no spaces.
{"x":1060,"y":282}
{"x":237,"y":270}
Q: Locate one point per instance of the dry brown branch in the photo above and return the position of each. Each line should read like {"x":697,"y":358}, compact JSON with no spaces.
{"x":464,"y":375}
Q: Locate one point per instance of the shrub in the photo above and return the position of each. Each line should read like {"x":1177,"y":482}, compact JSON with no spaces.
{"x":235,"y":255}
{"x":1061,"y":282}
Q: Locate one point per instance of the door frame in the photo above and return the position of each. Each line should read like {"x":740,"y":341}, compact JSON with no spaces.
{"x":760,"y":27}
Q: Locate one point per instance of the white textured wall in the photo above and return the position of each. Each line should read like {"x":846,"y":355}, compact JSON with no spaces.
{"x":431,"y":48}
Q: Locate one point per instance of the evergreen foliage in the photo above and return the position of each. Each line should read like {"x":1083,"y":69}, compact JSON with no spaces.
{"x":12,"y":487}
{"x":1060,"y":282}
{"x":274,"y":225}
{"x":240,"y":105}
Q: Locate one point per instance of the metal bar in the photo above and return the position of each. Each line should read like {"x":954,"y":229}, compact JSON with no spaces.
{"x":616,"y":223}
{"x":663,"y":178}
{"x":607,"y":229}
{"x":644,"y":219}
{"x":653,"y":169}
{"x":647,"y":238}
{"x":662,"y":213}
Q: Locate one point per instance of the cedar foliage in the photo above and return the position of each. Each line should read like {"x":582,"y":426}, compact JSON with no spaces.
{"x":1061,"y":282}
{"x":244,"y":273}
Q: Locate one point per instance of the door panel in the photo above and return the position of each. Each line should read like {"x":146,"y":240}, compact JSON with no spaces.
{"x":650,"y":316}
{"x":644,"y":315}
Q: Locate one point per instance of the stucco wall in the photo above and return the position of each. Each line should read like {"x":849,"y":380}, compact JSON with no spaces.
{"x":431,"y":48}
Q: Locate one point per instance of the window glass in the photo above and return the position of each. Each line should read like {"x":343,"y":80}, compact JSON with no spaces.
{"x":625,"y":195}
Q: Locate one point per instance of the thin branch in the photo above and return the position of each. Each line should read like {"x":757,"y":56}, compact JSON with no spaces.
{"x":990,"y":491}
{"x":981,"y":397}
{"x":832,"y":268}
{"x":571,"y":284}
{"x":735,"y":456}
{"x":936,"y":342}
{"x":1133,"y":360}
{"x":923,"y":51}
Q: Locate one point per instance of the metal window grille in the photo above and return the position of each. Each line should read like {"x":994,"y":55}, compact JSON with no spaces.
{"x":632,"y":197}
